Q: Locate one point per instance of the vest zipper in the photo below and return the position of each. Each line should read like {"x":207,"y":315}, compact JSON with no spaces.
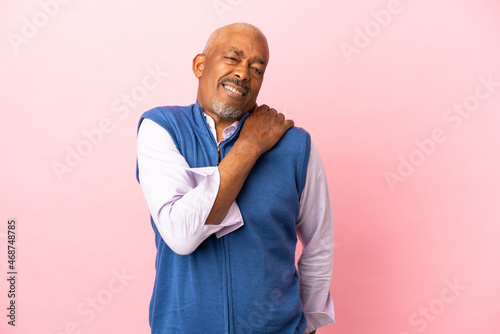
{"x":225,"y":243}
{"x":227,"y":139}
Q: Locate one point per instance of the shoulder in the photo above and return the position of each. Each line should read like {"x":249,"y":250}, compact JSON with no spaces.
{"x":295,"y":144}
{"x":298,"y":132}
{"x":297,"y":138}
{"x":166,"y":112}
{"x":165,"y":115}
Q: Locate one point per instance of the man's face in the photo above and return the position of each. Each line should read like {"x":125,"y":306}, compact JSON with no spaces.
{"x":232,"y":74}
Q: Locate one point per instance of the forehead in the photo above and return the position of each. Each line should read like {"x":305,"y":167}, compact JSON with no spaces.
{"x":244,"y":44}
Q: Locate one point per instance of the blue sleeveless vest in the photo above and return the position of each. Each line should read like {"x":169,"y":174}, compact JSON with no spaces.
{"x":246,"y":281}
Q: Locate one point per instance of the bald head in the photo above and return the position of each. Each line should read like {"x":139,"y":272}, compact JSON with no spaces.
{"x":221,"y":34}
{"x":230,"y":71}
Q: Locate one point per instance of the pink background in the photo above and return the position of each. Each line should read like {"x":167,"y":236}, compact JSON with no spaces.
{"x":419,"y":254}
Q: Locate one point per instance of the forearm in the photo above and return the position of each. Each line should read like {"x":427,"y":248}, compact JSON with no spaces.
{"x":233,"y":170}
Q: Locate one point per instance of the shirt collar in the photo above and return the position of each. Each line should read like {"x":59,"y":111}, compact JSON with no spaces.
{"x":226,"y":133}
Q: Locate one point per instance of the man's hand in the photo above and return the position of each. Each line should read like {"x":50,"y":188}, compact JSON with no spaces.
{"x":262,"y":129}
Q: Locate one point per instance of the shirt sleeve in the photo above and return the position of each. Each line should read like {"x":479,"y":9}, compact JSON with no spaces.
{"x":314,"y":229}
{"x":179,"y":198}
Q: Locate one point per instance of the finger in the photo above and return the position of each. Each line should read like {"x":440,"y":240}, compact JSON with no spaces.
{"x":288,"y":123}
{"x":280,"y":117}
{"x":273,"y":111}
{"x":264,"y":107}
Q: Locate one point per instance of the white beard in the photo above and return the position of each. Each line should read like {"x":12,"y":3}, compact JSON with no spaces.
{"x":226,"y":111}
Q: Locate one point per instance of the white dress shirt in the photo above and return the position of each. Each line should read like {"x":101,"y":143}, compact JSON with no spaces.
{"x":180,"y":198}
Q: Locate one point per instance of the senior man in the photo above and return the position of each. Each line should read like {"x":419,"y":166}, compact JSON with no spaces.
{"x":230,"y":185}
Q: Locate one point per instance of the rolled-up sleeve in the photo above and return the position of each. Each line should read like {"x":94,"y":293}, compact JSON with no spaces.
{"x":179,"y":197}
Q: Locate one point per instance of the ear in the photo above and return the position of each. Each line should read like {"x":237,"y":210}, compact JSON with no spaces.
{"x":199,"y":65}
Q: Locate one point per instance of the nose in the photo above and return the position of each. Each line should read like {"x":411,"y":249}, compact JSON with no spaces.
{"x":242,"y":72}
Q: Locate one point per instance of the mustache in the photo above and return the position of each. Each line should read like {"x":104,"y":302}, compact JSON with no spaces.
{"x":237,"y":82}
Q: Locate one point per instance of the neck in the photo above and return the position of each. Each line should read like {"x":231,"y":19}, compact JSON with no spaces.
{"x":220,"y":123}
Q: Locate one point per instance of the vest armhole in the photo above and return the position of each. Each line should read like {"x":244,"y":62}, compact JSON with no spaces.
{"x":152,"y":115}
{"x":304,"y":162}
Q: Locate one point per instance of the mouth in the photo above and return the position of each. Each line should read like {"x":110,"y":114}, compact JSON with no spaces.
{"x":234,"y":89}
